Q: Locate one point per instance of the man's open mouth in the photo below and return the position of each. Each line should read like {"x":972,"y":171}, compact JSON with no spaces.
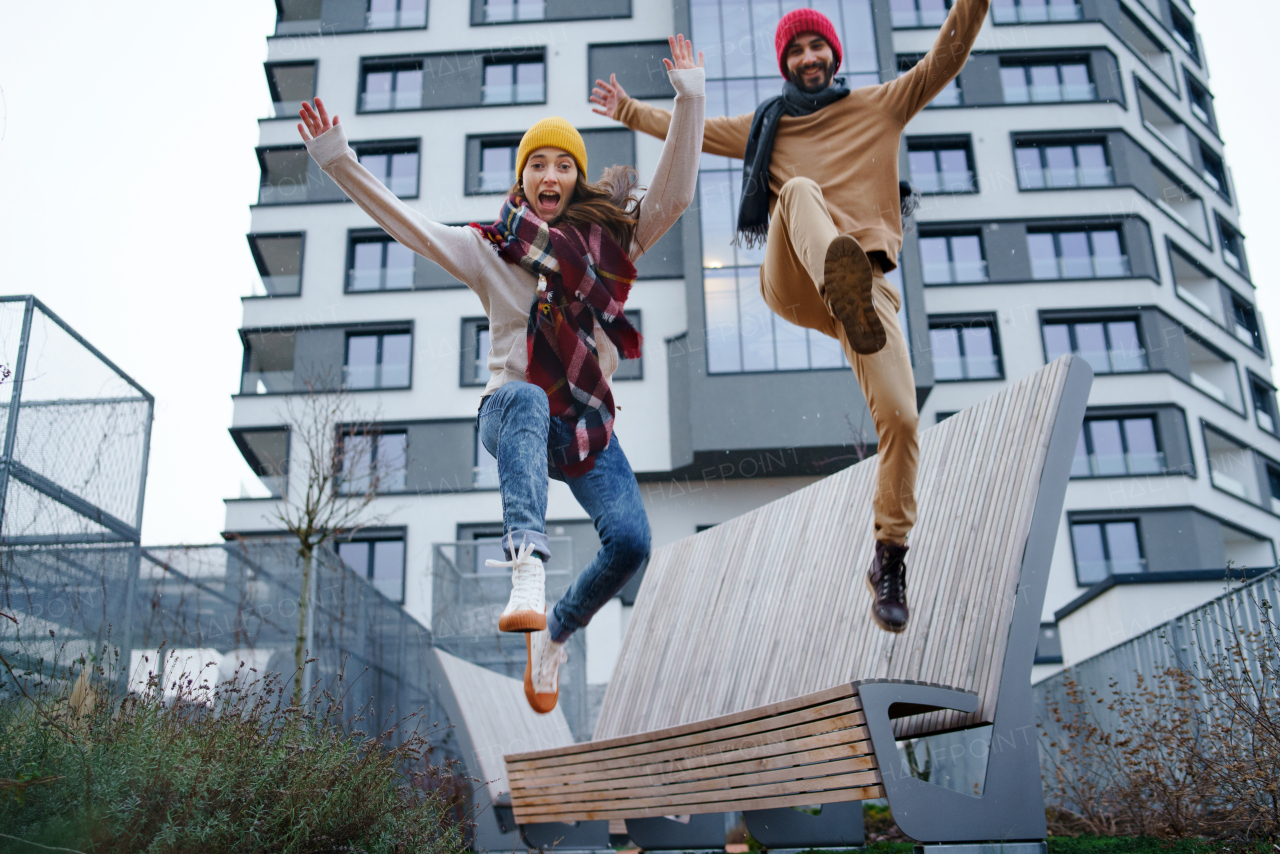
{"x":548,"y":201}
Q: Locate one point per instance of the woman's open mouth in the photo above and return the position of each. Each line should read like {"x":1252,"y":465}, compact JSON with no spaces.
{"x":548,"y":202}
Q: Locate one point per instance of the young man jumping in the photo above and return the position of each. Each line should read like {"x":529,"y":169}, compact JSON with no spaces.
{"x":820,"y":190}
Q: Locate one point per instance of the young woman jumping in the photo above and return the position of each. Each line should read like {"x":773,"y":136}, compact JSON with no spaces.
{"x":553,"y":273}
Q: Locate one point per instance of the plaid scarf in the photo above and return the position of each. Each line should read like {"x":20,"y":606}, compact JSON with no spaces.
{"x":583,"y":280}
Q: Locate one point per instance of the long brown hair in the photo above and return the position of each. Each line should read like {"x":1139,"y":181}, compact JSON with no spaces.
{"x":611,"y":203}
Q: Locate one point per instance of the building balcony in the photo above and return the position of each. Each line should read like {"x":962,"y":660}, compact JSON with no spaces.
{"x":954,"y":272}
{"x":1050,"y":12}
{"x":944,"y":182}
{"x":1054,"y":179}
{"x":1111,"y":465}
{"x":1109,"y":267}
{"x":1050,"y":94}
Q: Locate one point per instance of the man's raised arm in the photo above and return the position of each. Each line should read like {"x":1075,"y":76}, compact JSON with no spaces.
{"x":725,"y":135}
{"x":913,"y":91}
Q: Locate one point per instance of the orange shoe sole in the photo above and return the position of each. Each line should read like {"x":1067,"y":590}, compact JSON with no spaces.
{"x":540,"y":703}
{"x":522,"y":621}
{"x":846,"y":287}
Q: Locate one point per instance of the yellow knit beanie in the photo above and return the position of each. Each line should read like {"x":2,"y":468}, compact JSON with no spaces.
{"x":555,"y":132}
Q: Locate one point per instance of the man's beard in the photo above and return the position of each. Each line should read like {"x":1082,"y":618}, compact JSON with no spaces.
{"x":797,"y":79}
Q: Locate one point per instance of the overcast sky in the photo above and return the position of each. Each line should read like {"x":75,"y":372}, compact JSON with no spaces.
{"x":127,"y":170}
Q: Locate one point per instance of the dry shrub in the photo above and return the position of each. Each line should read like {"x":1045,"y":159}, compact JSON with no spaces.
{"x":232,"y":770}
{"x":1192,"y":752}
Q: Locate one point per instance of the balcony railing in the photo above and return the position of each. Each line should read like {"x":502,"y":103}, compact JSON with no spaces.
{"x":497,"y":181}
{"x":1106,"y":465}
{"x":907,"y":18}
{"x":1115,"y":361}
{"x":504,"y":11}
{"x":266,"y":382}
{"x":396,"y":19}
{"x":1227,"y":483}
{"x":1232,"y":259}
{"x":285,"y":109}
{"x":408,"y":99}
{"x":1053,"y":179}
{"x":514,"y":93}
{"x":966,"y":367}
{"x":381,"y":279}
{"x":1195,"y":301}
{"x":282,"y":286}
{"x":1209,"y":387}
{"x":955,"y":272}
{"x":944,"y":182}
{"x":289,"y":191}
{"x":1050,"y":94}
{"x":1100,"y":569}
{"x":1265,"y":421}
{"x":1080,"y":268}
{"x":1042,"y":14}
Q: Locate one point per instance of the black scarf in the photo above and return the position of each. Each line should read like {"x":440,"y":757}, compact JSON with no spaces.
{"x":753,"y":213}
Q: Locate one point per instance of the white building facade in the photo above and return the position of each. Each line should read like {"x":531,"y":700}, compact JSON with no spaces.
{"x":1074,"y":198}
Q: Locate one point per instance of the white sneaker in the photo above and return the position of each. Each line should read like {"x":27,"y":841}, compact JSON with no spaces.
{"x":526,"y":610}
{"x":542,"y":671}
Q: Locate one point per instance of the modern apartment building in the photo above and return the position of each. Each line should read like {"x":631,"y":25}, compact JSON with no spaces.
{"x":1075,"y":198}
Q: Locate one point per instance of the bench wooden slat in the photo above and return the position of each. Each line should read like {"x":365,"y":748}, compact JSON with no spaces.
{"x":814,"y":715}
{"x":843,"y":730}
{"x":672,"y":772}
{"x":660,"y":784}
{"x":678,"y":803}
{"x":802,"y":800}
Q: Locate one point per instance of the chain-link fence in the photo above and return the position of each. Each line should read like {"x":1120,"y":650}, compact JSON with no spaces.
{"x":77,"y":431}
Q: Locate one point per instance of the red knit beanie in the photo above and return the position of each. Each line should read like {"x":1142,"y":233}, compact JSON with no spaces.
{"x":800,"y":21}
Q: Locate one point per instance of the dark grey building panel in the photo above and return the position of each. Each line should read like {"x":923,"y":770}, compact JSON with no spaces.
{"x":608,"y":147}
{"x":980,"y":81}
{"x":1005,"y":244}
{"x":318,"y":358}
{"x":638,"y":66}
{"x":564,"y":10}
{"x":441,"y":456}
{"x":1137,"y":243}
{"x":1166,"y":344}
{"x":343,"y":16}
{"x":665,"y":260}
{"x":453,"y":79}
{"x":1106,"y":75}
{"x":1131,"y":163}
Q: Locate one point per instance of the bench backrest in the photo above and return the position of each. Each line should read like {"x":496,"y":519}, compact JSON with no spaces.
{"x":772,"y":605}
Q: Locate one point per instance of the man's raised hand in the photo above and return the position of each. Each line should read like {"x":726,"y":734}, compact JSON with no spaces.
{"x":608,"y":95}
{"x":682,"y":53}
{"x":316,"y":120}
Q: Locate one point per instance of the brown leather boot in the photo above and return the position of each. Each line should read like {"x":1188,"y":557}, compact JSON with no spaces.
{"x":887,"y":580}
{"x":846,"y":286}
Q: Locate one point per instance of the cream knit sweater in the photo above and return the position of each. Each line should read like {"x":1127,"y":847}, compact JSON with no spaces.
{"x":507,"y":290}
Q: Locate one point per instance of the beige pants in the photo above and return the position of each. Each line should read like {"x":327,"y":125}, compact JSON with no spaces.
{"x":800,"y":230}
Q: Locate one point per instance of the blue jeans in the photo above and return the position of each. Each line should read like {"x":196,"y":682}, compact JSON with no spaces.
{"x":516,"y":427}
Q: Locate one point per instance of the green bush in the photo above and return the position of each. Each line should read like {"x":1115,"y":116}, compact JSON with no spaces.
{"x":229,"y":771}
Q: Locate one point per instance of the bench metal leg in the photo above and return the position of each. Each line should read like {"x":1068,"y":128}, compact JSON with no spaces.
{"x":786,"y":829}
{"x":704,"y":832}
{"x":578,"y":836}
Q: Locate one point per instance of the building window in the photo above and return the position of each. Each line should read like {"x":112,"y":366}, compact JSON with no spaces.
{"x":374,"y":462}
{"x":509,"y":11}
{"x":518,"y":80}
{"x":941,"y":167}
{"x":381,"y":561}
{"x":1106,"y":548}
{"x":474,"y":369}
{"x":1109,"y":346}
{"x":1232,"y":247}
{"x":1117,"y":446}
{"x":395,"y":164}
{"x":495,"y":168}
{"x":1231,"y":466}
{"x":964,"y":349}
{"x":1214,"y":374}
{"x":1195,"y":286}
{"x":290,"y":83}
{"x":1153,"y":52}
{"x":1214,"y":172}
{"x":1049,"y":165}
{"x":951,"y":95}
{"x":1201,"y":103}
{"x":1273,"y":481}
{"x":1036,"y":11}
{"x":1092,"y":254}
{"x":278,"y":258}
{"x":1180,"y":202}
{"x":377,"y":360}
{"x":952,"y":258}
{"x":388,"y":86}
{"x":919,"y":13}
{"x":396,"y":14}
{"x":1184,"y":33}
{"x":630,"y":369}
{"x":267,"y":453}
{"x":268,"y":362}
{"x":485,"y":466}
{"x":1264,"y":405}
{"x":1044,"y":83}
{"x":1245,"y":322}
{"x":376,"y":262}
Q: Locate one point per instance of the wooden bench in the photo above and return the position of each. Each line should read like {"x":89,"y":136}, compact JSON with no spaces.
{"x":752,"y":677}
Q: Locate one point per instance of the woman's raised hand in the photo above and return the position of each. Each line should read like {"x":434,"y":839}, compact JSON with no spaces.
{"x":682,"y":53}
{"x":608,"y":95}
{"x":316,"y":120}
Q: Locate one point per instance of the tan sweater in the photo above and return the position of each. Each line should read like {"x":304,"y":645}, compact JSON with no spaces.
{"x":850,"y":147}
{"x":507,"y":290}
